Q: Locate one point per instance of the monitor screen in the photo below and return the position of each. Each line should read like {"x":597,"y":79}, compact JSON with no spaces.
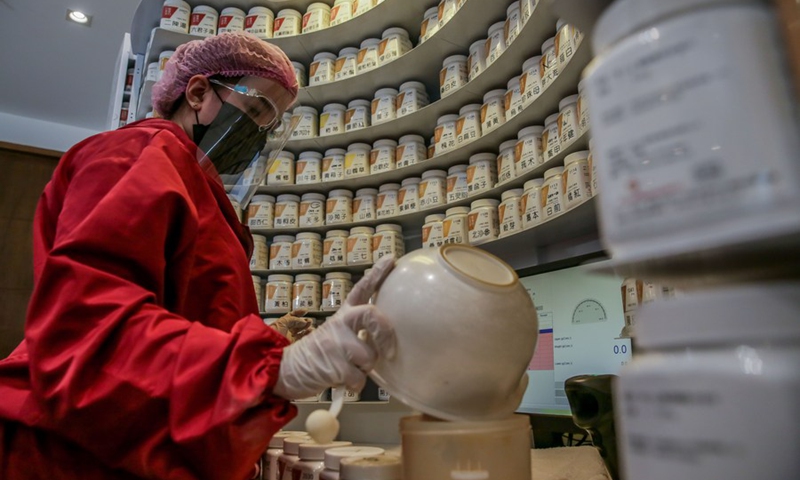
{"x":580,"y":319}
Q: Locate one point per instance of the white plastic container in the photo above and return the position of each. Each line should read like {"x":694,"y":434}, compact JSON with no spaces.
{"x":530,"y":81}
{"x":288,"y":23}
{"x":447,"y":10}
{"x":356,"y":162}
{"x":481,"y":173}
{"x":312,"y":210}
{"x":382,"y":157}
{"x":310,"y":464}
{"x":280,"y":170}
{"x":433,"y":231}
{"x":445,"y":133}
{"x":334,"y":248}
{"x":553,"y":193}
{"x":483,"y":221}
{"x":307,"y":292}
{"x":384,"y":105}
{"x":430,"y":24}
{"x":368,"y":55}
{"x":203,"y":22}
{"x":411,"y":151}
{"x":408,"y":196}
{"x":359,"y":246}
{"x":175,"y":16}
{"x":493,"y":110}
{"x":551,"y":141}
{"x":339,"y":207}
{"x":394,"y":44}
{"x":387,"y":205}
{"x":453,"y":75}
{"x":274,"y":452}
{"x":287,"y":211}
{"x":526,"y":8}
{"x":290,"y":455}
{"x":713,"y":385}
{"x":331,"y":122}
{"x":342,"y":11}
{"x":260,"y":22}
{"x":514,"y":101}
{"x":365,"y":205}
{"x":577,"y":179}
{"x":163,"y":58}
{"x":388,"y":240}
{"x":308,"y":168}
{"x":346,"y":63}
{"x":307,"y":120}
{"x":457,"y":185}
{"x":260,"y":258}
{"x":509,"y":213}
{"x":506,"y":163}
{"x":476,"y":63}
{"x":261,"y":211}
{"x":300,"y":74}
{"x":317,"y":17}
{"x":280,"y":252}
{"x":258,"y":286}
{"x":333,"y":165}
{"x":307,"y":251}
{"x":455,"y":227}
{"x":358,"y":115}
{"x":278,"y":294}
{"x":528,"y":151}
{"x":583,"y":108}
{"x":532,"y":203}
{"x":568,"y":120}
{"x":333,"y":457}
{"x":411,"y":98}
{"x":433,"y":189}
{"x":468,"y":126}
{"x":231,"y":19}
{"x":513,"y":22}
{"x":335,"y":289}
{"x":496,"y":43}
{"x":361,"y":7}
{"x":567,"y":41}
{"x":548,"y":64}
{"x":322,"y":69}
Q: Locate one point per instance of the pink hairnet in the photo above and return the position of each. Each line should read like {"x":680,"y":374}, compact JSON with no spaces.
{"x":229,"y":54}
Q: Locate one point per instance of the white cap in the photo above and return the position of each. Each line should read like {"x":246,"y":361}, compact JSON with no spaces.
{"x":288,"y":197}
{"x":284,"y":278}
{"x":472,"y":107}
{"x":412,"y":138}
{"x":366,"y":191}
{"x":392,"y":92}
{"x":336,"y":233}
{"x":299,"y":66}
{"x":438,"y":217}
{"x":514,"y":82}
{"x":277,"y":440}
{"x":431,"y":12}
{"x":496,"y":27}
{"x":263,"y":198}
{"x":560,"y":23}
{"x":291,"y":445}
{"x":457,"y":169}
{"x":446,"y":119}
{"x":259,"y":238}
{"x":485,"y":202}
{"x":411,"y":181}
{"x":307,"y":277}
{"x":531,"y":184}
{"x":551,"y":119}
{"x":389,"y":227}
{"x":370,"y":42}
{"x":319,"y":6}
{"x":359,"y":146}
{"x":333,"y":107}
{"x":379,"y":467}
{"x":576,"y":157}
{"x":308,"y":236}
{"x":548,"y":44}
{"x":456,"y":211}
{"x":333,"y":456}
{"x":434,"y":173}
{"x":534,"y":130}
{"x":290,"y":12}
{"x":359,"y":102}
{"x":335,"y":151}
{"x":362,"y":230}
{"x":512,"y":7}
{"x":553,"y":171}
{"x":494,"y":93}
{"x":412,"y":85}
{"x":386,"y":142}
{"x":338,"y":276}
{"x":454,"y":59}
{"x":324,"y":56}
{"x":531,"y":62}
{"x":301,"y":110}
{"x":312,"y":196}
{"x":235,"y":10}
{"x":340,"y":192}
{"x":478,"y":45}
{"x":507,"y":144}
{"x":283,"y":239}
{"x":286,"y":154}
{"x":348,"y":51}
{"x":566,"y":101}
{"x":482,"y":157}
{"x":516,"y":192}
{"x":388,"y":186}
{"x":395,"y":31}
{"x":314,"y":155}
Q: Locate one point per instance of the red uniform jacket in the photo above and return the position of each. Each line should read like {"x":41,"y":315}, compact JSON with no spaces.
{"x":144,"y":355}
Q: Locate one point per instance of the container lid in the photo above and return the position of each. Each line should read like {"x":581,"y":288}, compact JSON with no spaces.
{"x":389,"y":186}
{"x":512,"y":7}
{"x":553,"y":171}
{"x":166,"y":53}
{"x":516,"y":192}
{"x":560,"y":23}
{"x":285,"y":154}
{"x":548,"y":44}
{"x":348,"y":51}
{"x":456,"y":211}
{"x":359,"y":146}
{"x":334,"y":107}
{"x":389,"y":227}
{"x":729,"y":315}
{"x":478,"y":46}
{"x":455,"y":59}
{"x":314,"y":155}
{"x":433,"y":174}
{"x":340,"y":192}
{"x":485,"y":202}
{"x":366,"y":191}
{"x":385,"y":142}
{"x":312,"y":196}
{"x":370,"y":42}
{"x":581,"y":85}
{"x":531,"y":184}
{"x":551,"y":119}
{"x":438,"y":217}
{"x":335,"y":151}
{"x":412,"y":85}
{"x":513,"y":83}
{"x":232,"y":10}
{"x":472,"y":107}
{"x":359,"y":102}
{"x":310,"y":110}
{"x":319,"y":6}
{"x":411,"y":181}
{"x":534,"y":130}
{"x":531,"y":62}
{"x":299,"y":66}
{"x":308,"y":236}
{"x":336,"y":233}
{"x":288,"y":197}
{"x":338,"y":276}
{"x":208,"y":9}
{"x":412,"y":139}
{"x":496,"y":27}
{"x":386,"y":92}
{"x":258,"y":11}
{"x":447,"y":119}
{"x":335,"y":455}
{"x":508,"y":144}
{"x":289,"y":12}
{"x":324,"y":56}
{"x":362,"y":230}
{"x":263,"y":198}
{"x":291,"y":445}
{"x":576,"y":157}
{"x":259,"y":238}
{"x":493,"y":94}
{"x":431,"y":12}
{"x":308,"y":277}
{"x":395,"y":31}
{"x":379,"y":467}
{"x":480,"y":157}
{"x":457,"y":169}
{"x":285,"y":278}
{"x":566,"y":101}
{"x":277,"y":440}
{"x":283,"y":239}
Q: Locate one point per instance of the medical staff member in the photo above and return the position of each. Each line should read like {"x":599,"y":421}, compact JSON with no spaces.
{"x":144,"y":355}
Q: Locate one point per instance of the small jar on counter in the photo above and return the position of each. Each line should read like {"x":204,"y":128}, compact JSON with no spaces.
{"x":454,"y":74}
{"x":365,"y":205}
{"x":394,"y":44}
{"x":322,"y":69}
{"x":382,"y":157}
{"x":457,"y":185}
{"x":513,"y":22}
{"x":493,"y":110}
{"x":335,"y":288}
{"x":433,"y":231}
{"x":455,"y":227}
{"x":387,"y":204}
{"x":334,"y":248}
{"x":287,"y":211}
{"x":548,"y":63}
{"x":341,"y":11}
{"x":308,"y":168}
{"x":496,"y":43}
{"x":509,"y":212}
{"x":331,"y":122}
{"x":231,"y":19}
{"x":280,"y":252}
{"x":411,"y":98}
{"x":288,"y":23}
{"x":358,"y":115}
{"x":346,"y":63}
{"x":260,"y":258}
{"x":356,"y":162}
{"x":577,"y":179}
{"x":505,"y":162}
{"x":307,"y":251}
{"x":408,"y":196}
{"x":339,"y":207}
{"x":551,"y":142}
{"x":384,"y":105}
{"x":528,"y":152}
{"x":260,"y":22}
{"x":261,"y":211}
{"x":280,"y":170}
{"x":481,"y":173}
{"x":445,"y":133}
{"x":411,"y":151}
{"x":312,"y":210}
{"x":333,"y":165}
{"x":430,"y":24}
{"x":476,"y":63}
{"x":317,"y":17}
{"x":532,"y":202}
{"x":514,"y":100}
{"x":388,"y":240}
{"x":359,"y":246}
{"x":368,"y":55}
{"x":553,"y":193}
{"x":530,"y":82}
{"x":278,"y":294}
{"x":568,"y":120}
{"x":468,"y":126}
{"x":204,"y":21}
{"x":433,"y":189}
{"x":483,"y":222}
{"x":307,"y":292}
{"x":307,"y":121}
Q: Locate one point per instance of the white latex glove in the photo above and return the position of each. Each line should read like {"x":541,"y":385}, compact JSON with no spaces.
{"x":333,"y":355}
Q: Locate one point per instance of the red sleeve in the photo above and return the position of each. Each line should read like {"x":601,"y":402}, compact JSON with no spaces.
{"x":142,"y":388}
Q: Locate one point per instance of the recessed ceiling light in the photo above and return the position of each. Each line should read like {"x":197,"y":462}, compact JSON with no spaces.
{"x":79,"y":17}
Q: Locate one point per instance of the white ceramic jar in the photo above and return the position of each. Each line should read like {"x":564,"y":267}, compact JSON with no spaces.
{"x":361,"y":7}
{"x":258,"y":286}
{"x":307,"y":292}
{"x":322,"y":69}
{"x":394,"y":44}
{"x":163,"y":58}
{"x":433,"y":231}
{"x":382,"y":157}
{"x":346,"y":63}
{"x":509,"y":213}
{"x":287,"y":211}
{"x":333,"y":165}
{"x":335,"y":289}
{"x":339,"y":207}
{"x":712,"y":386}
{"x":384,"y":105}
{"x":568,"y":120}
{"x":433,"y":189}
{"x":549,"y":62}
{"x":513,"y":22}
{"x":577,"y":179}
{"x":152,"y":74}
{"x":496,"y":43}
{"x":281,"y":169}
{"x":278,"y":294}
{"x":553,"y":193}
{"x":312,"y":210}
{"x":493,"y":110}
{"x":204,"y":20}
{"x":457,"y":185}
{"x":411,"y":151}
{"x":551,"y":141}
{"x":583,"y":108}
{"x":476,"y":63}
{"x":368,"y":55}
{"x":468,"y":126}
{"x":261,"y":211}
{"x":514,"y":101}
{"x":445,"y":133}
{"x":331,"y":122}
{"x":259,"y":22}
{"x":358,"y":115}
{"x":483,"y":222}
{"x":455,"y":227}
{"x":308,"y":168}
{"x":388,"y":240}
{"x":356,"y":162}
{"x":175,"y":16}
{"x":430,"y":24}
{"x":307,"y":121}
{"x":365,"y":205}
{"x":288,"y":22}
{"x":260,"y":258}
{"x":387,"y":205}
{"x":231,"y":19}
{"x":300,"y":74}
{"x":408,"y":196}
{"x":481,"y":173}
{"x":341,"y":11}
{"x":359,"y":246}
{"x":453,"y":75}
{"x":567,"y":40}
{"x":317,"y":17}
{"x":280,"y":252}
{"x":334,"y":248}
{"x":530,"y":81}
{"x":447,"y":10}
{"x":333,"y":457}
{"x":505,"y":162}
{"x":526,"y":8}
{"x":532,"y":203}
{"x":307,"y":251}
{"x":310,"y":464}
{"x":290,"y":455}
{"x":528,"y":152}
{"x":411,"y":98}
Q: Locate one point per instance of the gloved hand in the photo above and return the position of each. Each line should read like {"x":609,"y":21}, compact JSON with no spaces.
{"x":333,"y":355}
{"x":294,"y":326}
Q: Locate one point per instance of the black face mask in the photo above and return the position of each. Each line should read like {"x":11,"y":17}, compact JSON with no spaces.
{"x":231,"y":141}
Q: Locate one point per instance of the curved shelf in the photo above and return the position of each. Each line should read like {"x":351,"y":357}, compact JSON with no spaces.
{"x":353,"y":269}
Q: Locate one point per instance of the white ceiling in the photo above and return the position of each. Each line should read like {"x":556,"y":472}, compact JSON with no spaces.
{"x":55,"y":70}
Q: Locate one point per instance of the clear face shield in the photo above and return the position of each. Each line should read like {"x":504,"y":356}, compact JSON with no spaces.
{"x":245,"y":135}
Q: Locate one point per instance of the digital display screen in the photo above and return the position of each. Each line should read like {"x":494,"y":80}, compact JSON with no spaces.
{"x":580,"y":319}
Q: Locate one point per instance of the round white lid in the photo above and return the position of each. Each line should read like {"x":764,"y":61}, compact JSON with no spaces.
{"x":283,"y":239}
{"x":335,"y":151}
{"x":534,"y":130}
{"x":340,"y":192}
{"x":263,"y":198}
{"x":515,"y":192}
{"x":312,"y":196}
{"x":316,"y":451}
{"x":389,"y":186}
{"x":455,"y":169}
{"x":472,"y":107}
{"x":485,"y":202}
{"x":288,"y":197}
{"x":308,"y":277}
{"x":507,"y":144}
{"x":359,"y":146}
{"x":366,"y":191}
{"x":379,"y":467}
{"x":389,"y":227}
{"x":437,"y":217}
{"x":456,"y":211}
{"x":567,"y":100}
{"x":531,"y":184}
{"x":531,"y":62}
{"x":338,"y":276}
{"x":576,"y":157}
{"x":362,"y":230}
{"x":383,"y":92}
{"x":291,"y":445}
{"x":386,"y":142}
{"x":551,"y":119}
{"x":333,"y":456}
{"x":277,"y":440}
{"x":315,"y":155}
{"x":324,"y":56}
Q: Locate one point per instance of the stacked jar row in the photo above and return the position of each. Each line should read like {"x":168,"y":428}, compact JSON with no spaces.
{"x":541,"y":199}
{"x":284,"y":293}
